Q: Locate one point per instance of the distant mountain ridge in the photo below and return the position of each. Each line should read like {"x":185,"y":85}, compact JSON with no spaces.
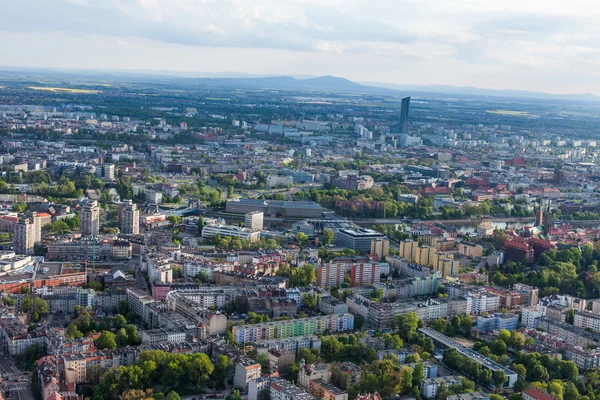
{"x":325,"y":83}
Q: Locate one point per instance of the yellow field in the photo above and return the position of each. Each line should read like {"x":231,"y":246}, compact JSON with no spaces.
{"x":509,"y":112}
{"x":64,"y":90}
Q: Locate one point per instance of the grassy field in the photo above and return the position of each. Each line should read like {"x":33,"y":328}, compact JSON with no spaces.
{"x":509,"y":112}
{"x":64,"y":90}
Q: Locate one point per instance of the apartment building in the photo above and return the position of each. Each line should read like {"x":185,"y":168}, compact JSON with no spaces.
{"x":470,"y":250}
{"x":408,"y":250}
{"x":572,"y":335}
{"x":380,"y":248}
{"x":15,"y":339}
{"x":429,"y":387}
{"x":280,"y":389}
{"x":254,"y":220}
{"x":129,"y":218}
{"x":587,"y":321}
{"x":365,"y":274}
{"x":291,"y":328}
{"x":24,"y":236}
{"x":331,"y":274}
{"x":497,"y":322}
{"x":246,"y":370}
{"x":89,"y":218}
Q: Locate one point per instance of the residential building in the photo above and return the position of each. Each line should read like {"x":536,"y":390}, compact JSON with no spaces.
{"x":280,"y":389}
{"x":587,"y":321}
{"x":470,"y":250}
{"x":497,"y":322}
{"x":429,"y":387}
{"x":24,"y":236}
{"x":291,"y":328}
{"x":331,"y":305}
{"x":408,"y":250}
{"x":534,"y":393}
{"x":529,"y":315}
{"x":254,"y":220}
{"x":281,"y":360}
{"x":312,"y":372}
{"x":380,"y":248}
{"x":246,"y":370}
{"x":365,"y":274}
{"x":331,"y":274}
{"x":129,"y":218}
{"x":529,"y":294}
{"x":89,"y":219}
{"x":470,"y":396}
{"x":154,"y":197}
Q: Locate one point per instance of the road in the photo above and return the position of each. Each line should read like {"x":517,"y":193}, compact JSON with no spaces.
{"x":19,"y":390}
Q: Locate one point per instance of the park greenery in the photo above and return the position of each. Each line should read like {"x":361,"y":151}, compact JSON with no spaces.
{"x":161,"y":372}
{"x":571,"y":271}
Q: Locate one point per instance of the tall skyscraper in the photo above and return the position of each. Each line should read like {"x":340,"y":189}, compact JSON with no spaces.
{"x":24,"y":233}
{"x":89,"y":219}
{"x":129,"y":218}
{"x":402,"y":126}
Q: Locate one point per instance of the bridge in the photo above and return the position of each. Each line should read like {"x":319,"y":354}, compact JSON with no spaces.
{"x":192,"y":208}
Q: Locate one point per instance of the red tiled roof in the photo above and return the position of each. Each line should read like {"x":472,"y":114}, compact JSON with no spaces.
{"x":538,"y":394}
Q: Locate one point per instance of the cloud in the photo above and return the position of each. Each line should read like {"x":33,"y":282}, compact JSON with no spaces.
{"x":512,"y":42}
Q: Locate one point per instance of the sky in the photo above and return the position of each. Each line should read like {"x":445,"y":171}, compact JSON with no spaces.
{"x":550,"y":46}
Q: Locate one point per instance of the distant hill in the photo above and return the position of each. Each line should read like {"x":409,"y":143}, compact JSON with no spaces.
{"x":326,"y":84}
{"x":473,"y":91}
{"x":322,"y":83}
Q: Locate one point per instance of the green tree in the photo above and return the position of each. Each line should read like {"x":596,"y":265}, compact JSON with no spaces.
{"x":121,"y":338}
{"x":520,"y":370}
{"x":293,"y":372}
{"x":123,"y":307}
{"x":498,"y":347}
{"x":407,"y":324}
{"x":222,"y":366}
{"x":200,"y":224}
{"x":406,"y":376}
{"x":371,"y":355}
{"x":35,"y":305}
{"x":107,"y":340}
{"x":19,"y":207}
{"x":418,"y":374}
{"x":132,"y":335}
{"x":327,"y":237}
{"x":301,"y":239}
{"x":73,"y":331}
{"x":309,"y":300}
{"x":499,"y":379}
{"x":504,"y":335}
{"x":8,"y":301}
{"x":173,"y":396}
{"x":120,"y":321}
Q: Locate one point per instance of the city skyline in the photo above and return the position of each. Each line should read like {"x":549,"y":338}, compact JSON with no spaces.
{"x":541,"y":46}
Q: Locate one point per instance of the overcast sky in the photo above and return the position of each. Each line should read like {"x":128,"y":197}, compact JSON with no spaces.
{"x":543,"y":45}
